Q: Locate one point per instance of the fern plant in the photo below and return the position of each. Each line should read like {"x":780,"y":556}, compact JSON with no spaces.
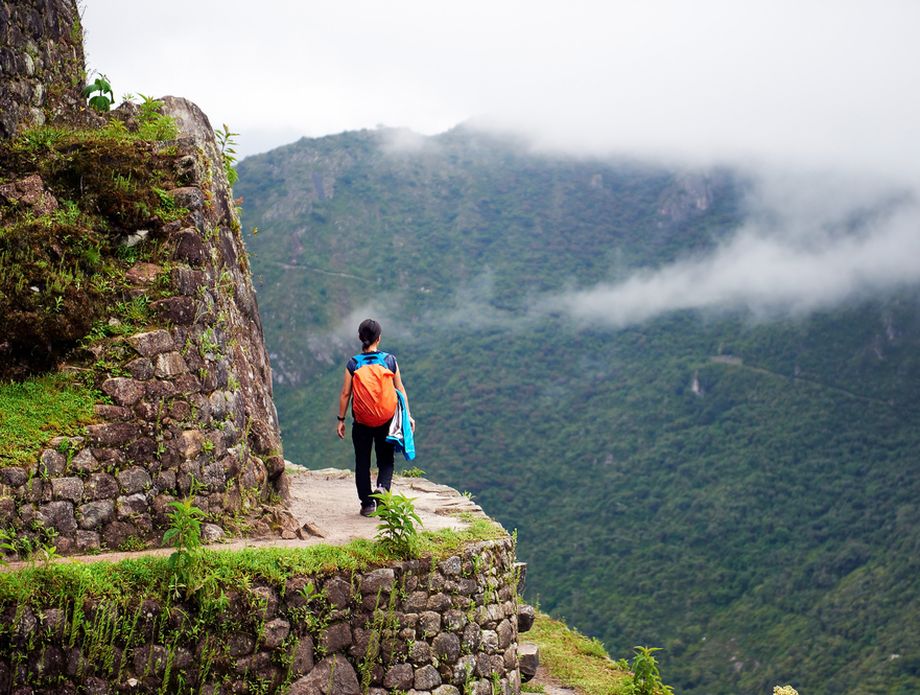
{"x":396,"y":530}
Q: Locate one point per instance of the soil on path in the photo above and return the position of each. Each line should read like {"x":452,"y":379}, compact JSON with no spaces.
{"x":325,"y":504}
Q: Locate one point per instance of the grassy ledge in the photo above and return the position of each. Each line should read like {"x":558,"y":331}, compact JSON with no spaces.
{"x":149,"y":576}
{"x":576,"y":660}
{"x":33,"y":411}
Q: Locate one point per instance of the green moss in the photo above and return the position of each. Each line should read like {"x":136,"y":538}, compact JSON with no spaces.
{"x":577,"y":660}
{"x":31,"y":410}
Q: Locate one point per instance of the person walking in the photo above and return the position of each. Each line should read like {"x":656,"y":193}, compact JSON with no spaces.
{"x":371,"y":380}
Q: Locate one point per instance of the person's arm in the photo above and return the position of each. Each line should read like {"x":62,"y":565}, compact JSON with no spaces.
{"x":397,"y":381}
{"x":344,"y":397}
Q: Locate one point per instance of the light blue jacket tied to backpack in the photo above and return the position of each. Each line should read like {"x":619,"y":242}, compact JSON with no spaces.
{"x":401,"y":429}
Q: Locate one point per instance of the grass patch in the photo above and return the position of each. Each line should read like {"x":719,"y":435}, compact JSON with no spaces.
{"x":33,"y":411}
{"x":577,"y":660}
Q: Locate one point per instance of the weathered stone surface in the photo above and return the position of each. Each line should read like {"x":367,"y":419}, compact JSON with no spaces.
{"x":135,"y":479}
{"x":59,"y":515}
{"x":211,"y":533}
{"x":169,"y":364}
{"x":336,"y":637}
{"x":143,"y":273}
{"x":445,"y":690}
{"x":338,"y":592}
{"x":526,"y":615}
{"x":67,"y":489}
{"x":446,"y":646}
{"x":128,"y":506}
{"x":152,"y":343}
{"x":303,"y":656}
{"x":438,"y":602}
{"x":123,"y":391}
{"x":451,"y":566}
{"x":505,"y":633}
{"x":429,"y":623}
{"x":240,"y":644}
{"x":427,"y":678}
{"x":100,"y":486}
{"x":52,"y":463}
{"x":29,"y":192}
{"x":178,"y":310}
{"x":113,"y":413}
{"x":190,"y":197}
{"x":529,"y":660}
{"x":140,"y":368}
{"x":454,"y":620}
{"x":400,"y":676}
{"x":420,"y":652}
{"x":84,"y":462}
{"x":190,"y":443}
{"x":331,"y":676}
{"x":115,"y":533}
{"x":191,"y":249}
{"x":275,"y":632}
{"x":13,"y":476}
{"x":86,"y":541}
{"x":490,"y":641}
{"x":112,"y":434}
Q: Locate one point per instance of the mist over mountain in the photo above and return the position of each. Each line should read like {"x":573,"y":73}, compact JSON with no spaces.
{"x":693,"y":391}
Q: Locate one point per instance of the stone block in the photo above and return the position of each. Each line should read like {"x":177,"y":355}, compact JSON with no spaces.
{"x":84,"y":462}
{"x":451,"y":566}
{"x":179,"y":310}
{"x":303,"y":656}
{"x":528,"y":660}
{"x":140,"y":368}
{"x":438,"y":602}
{"x":526,"y":616}
{"x":128,"y":506}
{"x":86,"y":541}
{"x":135,"y":479}
{"x":123,"y":391}
{"x":67,"y":489}
{"x":378,"y":581}
{"x":336,"y":637}
{"x":13,"y":476}
{"x":167,"y":365}
{"x":115,"y":533}
{"x":429,"y":623}
{"x":505,"y":631}
{"x":446,"y":646}
{"x":59,"y":515}
{"x":115,"y":434}
{"x":333,"y":675}
{"x":399,"y":677}
{"x":275,"y":632}
{"x":427,"y":678}
{"x":52,"y":464}
{"x":152,"y":343}
{"x":100,"y":486}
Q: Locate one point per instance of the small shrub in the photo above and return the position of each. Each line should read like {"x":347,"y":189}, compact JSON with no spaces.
{"x":99,"y":93}
{"x":226,"y":140}
{"x":646,"y":677}
{"x":413,"y":472}
{"x":396,"y":530}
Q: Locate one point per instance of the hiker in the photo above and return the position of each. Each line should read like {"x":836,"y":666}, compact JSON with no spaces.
{"x":371,"y":381}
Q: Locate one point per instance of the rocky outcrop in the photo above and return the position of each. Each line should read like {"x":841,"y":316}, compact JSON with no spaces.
{"x":41,"y":62}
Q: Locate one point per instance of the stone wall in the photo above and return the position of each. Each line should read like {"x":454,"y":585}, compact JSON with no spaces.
{"x":190,"y":410}
{"x":41,"y":62}
{"x":421,"y":627}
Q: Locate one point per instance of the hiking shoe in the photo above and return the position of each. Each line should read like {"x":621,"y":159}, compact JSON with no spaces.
{"x":368,"y":509}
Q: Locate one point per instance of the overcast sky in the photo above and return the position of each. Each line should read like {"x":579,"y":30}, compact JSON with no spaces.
{"x":817,"y":99}
{"x":814,"y":82}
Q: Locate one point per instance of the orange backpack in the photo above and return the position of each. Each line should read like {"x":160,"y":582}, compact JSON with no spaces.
{"x":373,"y":390}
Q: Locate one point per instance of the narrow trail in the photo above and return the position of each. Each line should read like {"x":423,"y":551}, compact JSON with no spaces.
{"x":325,"y":504}
{"x":315,"y":269}
{"x":738,"y":364}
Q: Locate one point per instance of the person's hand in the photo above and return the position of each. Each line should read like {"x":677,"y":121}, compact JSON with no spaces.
{"x":340,"y":429}
{"x":412,"y":424}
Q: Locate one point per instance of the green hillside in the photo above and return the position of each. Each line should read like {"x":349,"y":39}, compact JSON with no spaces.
{"x":763,"y":527}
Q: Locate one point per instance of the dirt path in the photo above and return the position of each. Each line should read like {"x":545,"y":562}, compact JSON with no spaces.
{"x":325,"y":503}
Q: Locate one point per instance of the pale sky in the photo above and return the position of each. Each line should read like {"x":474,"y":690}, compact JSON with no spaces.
{"x":815,"y":82}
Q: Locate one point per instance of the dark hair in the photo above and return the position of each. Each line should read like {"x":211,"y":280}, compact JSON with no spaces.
{"x":368,"y":333}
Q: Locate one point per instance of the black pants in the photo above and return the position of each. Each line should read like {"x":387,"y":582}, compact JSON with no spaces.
{"x":363,"y":437}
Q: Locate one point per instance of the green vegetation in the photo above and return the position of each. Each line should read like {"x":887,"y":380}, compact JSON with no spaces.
{"x":396,"y":530}
{"x":33,"y":410}
{"x":775,"y":508}
{"x":226,"y":140}
{"x":577,"y":660}
{"x":99,"y":94}
{"x":62,"y":263}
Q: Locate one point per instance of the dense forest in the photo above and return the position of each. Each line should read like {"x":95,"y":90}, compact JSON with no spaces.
{"x":742,"y":493}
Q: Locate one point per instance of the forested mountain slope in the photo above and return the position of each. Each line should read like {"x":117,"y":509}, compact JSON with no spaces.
{"x":743,"y":494}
